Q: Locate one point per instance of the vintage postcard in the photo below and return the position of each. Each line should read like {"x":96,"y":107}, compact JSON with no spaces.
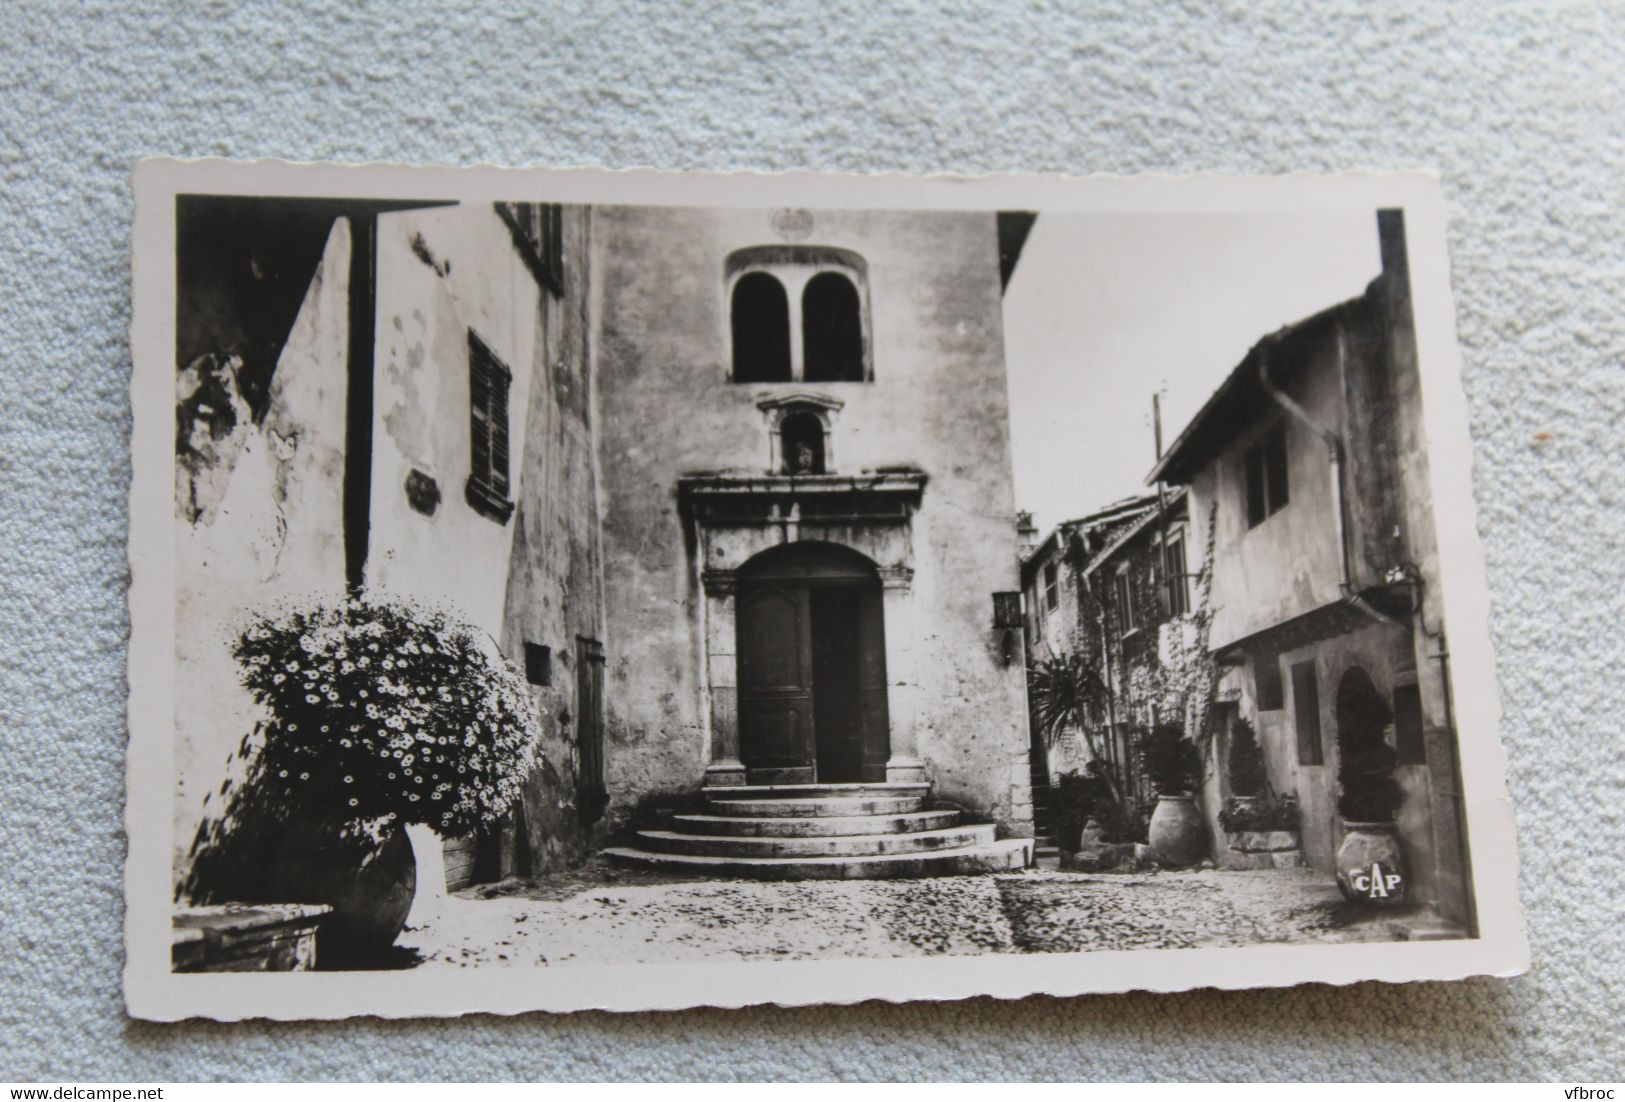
{"x":559,"y":590}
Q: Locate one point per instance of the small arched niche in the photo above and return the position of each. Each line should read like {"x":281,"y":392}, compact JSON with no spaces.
{"x":801,"y":443}
{"x":800,"y":433}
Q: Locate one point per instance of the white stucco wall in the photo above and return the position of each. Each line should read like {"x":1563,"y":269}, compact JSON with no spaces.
{"x":442,"y":272}
{"x":276,"y":532}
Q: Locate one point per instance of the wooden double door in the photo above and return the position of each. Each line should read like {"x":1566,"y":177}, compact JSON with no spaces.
{"x":812,"y":668}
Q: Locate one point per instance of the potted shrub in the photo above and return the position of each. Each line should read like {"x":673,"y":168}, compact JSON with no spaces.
{"x":1260,"y":831}
{"x":1370,"y":865}
{"x":1173,"y":765}
{"x":380,"y":715}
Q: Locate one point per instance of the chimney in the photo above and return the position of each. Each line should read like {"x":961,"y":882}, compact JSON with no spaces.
{"x":1026,"y":530}
{"x":1396,"y":268}
{"x":1396,"y":288}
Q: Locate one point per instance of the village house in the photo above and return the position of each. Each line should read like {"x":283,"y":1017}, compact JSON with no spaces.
{"x":1115,"y":591}
{"x":1311,"y":459}
{"x":731,"y":487}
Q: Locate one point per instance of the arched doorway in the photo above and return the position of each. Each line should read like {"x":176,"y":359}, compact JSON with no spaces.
{"x":812,"y":666}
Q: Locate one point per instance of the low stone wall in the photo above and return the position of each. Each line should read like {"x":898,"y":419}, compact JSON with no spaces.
{"x":1261,"y":849}
{"x":245,"y":937}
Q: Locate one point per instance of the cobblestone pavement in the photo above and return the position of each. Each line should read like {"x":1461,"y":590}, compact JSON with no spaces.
{"x":605,"y":916}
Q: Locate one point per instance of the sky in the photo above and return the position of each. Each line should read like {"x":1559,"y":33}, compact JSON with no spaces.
{"x":1105,"y":309}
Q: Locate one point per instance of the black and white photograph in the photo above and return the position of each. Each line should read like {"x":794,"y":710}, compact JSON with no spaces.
{"x":565,"y":590}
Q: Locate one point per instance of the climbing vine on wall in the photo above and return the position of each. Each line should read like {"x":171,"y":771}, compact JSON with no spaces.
{"x":1180,"y":683}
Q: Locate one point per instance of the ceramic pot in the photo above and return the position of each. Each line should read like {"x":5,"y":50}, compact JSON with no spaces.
{"x":1370,"y":865}
{"x":369,"y":886}
{"x":1178,"y":836}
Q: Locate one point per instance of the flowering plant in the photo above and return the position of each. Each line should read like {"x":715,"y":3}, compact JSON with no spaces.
{"x":384,"y":712}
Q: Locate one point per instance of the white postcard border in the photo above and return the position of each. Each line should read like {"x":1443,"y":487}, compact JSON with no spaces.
{"x":152,"y":991}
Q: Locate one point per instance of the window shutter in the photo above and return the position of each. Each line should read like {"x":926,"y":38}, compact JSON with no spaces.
{"x":479,"y":401}
{"x":1179,"y":597}
{"x":488,"y":382}
{"x":498,"y":424}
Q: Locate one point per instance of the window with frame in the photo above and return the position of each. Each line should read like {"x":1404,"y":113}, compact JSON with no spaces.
{"x":1052,"y":587}
{"x":1178,"y":581}
{"x":538,"y":233}
{"x":1123,"y":592}
{"x":1306,"y":714}
{"x":1265,"y":469}
{"x":488,"y":382}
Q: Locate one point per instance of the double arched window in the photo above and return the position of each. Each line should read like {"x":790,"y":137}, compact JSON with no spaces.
{"x":798,"y":313}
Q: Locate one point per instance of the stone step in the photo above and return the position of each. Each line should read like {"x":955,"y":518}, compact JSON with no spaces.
{"x":1012,"y":853}
{"x":790,"y":808}
{"x":734,"y":825}
{"x":849,"y":790}
{"x":850,"y":845}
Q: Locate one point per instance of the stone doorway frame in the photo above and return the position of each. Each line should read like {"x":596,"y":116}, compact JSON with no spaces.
{"x":735,"y":517}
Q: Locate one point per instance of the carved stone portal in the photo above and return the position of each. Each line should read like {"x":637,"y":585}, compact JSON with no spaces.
{"x":738,"y":517}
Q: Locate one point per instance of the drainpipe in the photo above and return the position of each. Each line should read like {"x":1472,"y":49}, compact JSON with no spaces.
{"x":1334,"y":447}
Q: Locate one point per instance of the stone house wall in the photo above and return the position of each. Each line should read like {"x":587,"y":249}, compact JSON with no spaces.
{"x":1277,"y":585}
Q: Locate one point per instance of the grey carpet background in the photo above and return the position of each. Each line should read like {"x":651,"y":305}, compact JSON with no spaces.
{"x":1521,"y":107}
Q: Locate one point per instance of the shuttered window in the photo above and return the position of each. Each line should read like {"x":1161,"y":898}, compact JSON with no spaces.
{"x":1179,"y":593}
{"x":538,"y":233}
{"x":488,"y":383}
{"x":1124,"y":592}
{"x":1306,"y":714}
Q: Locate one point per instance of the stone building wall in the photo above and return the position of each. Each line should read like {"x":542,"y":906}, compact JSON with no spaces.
{"x":555,"y":583}
{"x":937,"y":402}
{"x":532,"y":576}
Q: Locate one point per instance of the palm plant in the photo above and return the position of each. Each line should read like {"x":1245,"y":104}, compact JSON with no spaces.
{"x":1064,"y":693}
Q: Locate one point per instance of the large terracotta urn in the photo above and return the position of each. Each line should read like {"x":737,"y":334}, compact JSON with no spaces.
{"x":1178,"y":835}
{"x":369,"y":886}
{"x":1370,"y":865}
